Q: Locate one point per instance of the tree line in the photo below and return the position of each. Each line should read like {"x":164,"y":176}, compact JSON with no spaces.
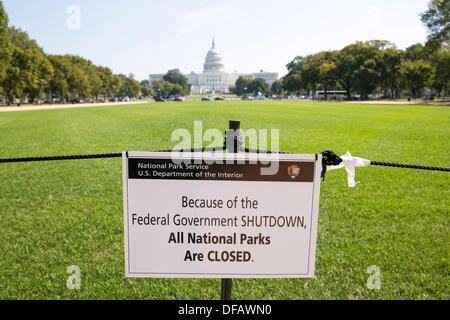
{"x":367,"y":67}
{"x":27,"y":73}
{"x":377,"y":66}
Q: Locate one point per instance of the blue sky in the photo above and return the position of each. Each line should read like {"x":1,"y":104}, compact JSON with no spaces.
{"x":152,"y":36}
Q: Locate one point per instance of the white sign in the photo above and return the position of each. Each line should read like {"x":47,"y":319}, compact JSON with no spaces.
{"x":220,"y":220}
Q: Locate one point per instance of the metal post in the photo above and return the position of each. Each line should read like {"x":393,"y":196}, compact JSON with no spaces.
{"x":232,"y":147}
{"x":226,"y":289}
{"x":232,"y":136}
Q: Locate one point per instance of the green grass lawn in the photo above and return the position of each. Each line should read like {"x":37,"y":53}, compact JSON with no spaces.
{"x":62,"y":213}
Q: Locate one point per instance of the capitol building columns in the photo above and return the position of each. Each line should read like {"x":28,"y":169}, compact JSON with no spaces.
{"x":214,"y":78}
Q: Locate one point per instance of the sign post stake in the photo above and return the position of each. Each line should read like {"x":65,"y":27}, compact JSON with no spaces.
{"x":231,"y":144}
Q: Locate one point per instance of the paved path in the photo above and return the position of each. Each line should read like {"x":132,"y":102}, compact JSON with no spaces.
{"x":85,"y":105}
{"x":65,"y":106}
{"x":412,"y":102}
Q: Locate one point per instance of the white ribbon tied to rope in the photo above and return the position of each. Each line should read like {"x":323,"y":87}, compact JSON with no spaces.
{"x":349,"y":162}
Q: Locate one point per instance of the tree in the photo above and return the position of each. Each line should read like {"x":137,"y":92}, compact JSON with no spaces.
{"x":135,"y":86}
{"x":21,"y":40}
{"x":327,"y":71}
{"x":35,"y":88}
{"x":327,"y":75}
{"x":391,"y":60}
{"x":59,"y":83}
{"x":129,"y":87}
{"x":176,"y":89}
{"x":95,"y":81}
{"x":258,"y":86}
{"x":415,"y":69}
{"x":22,"y":72}
{"x":307,"y":69}
{"x":276,"y":87}
{"x":78,"y":79}
{"x":415,"y":75}
{"x":241,"y":85}
{"x":109,"y":83}
{"x":5,"y":53}
{"x":345,"y":68}
{"x":297,"y":64}
{"x":440,"y":75}
{"x":162,"y":88}
{"x":417,"y":52}
{"x":114,"y":85}
{"x":292,"y":83}
{"x":147,"y":90}
{"x":44,"y":76}
{"x":367,"y":66}
{"x":437,"y":20}
{"x":174,"y":76}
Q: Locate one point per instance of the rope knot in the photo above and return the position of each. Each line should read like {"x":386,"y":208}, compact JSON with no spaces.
{"x":329,"y":158}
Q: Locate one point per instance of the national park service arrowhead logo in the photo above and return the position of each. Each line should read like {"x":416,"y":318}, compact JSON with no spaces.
{"x":293,"y":171}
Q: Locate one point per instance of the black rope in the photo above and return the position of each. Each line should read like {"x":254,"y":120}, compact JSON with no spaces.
{"x":408,"y":166}
{"x":73,"y":157}
{"x":264,"y":151}
{"x":99,"y":156}
{"x":329,"y":158}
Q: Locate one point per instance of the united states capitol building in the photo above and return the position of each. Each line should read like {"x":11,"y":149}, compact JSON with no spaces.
{"x":214,"y":78}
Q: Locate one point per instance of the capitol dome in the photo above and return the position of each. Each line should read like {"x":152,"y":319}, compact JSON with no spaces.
{"x":214,"y":79}
{"x":213,"y":61}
